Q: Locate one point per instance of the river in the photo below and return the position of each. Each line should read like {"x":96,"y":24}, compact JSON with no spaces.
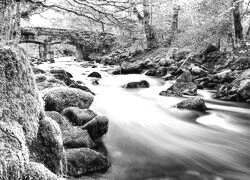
{"x":149,"y":139}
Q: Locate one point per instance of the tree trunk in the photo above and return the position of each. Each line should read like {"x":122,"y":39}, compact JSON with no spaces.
{"x":149,"y":32}
{"x":238,"y":30}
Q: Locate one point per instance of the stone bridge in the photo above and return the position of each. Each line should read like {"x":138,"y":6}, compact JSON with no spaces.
{"x":86,"y":42}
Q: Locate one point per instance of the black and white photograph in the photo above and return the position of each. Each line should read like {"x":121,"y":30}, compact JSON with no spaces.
{"x":124,"y":89}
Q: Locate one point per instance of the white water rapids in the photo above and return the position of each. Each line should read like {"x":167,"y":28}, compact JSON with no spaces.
{"x":148,"y":138}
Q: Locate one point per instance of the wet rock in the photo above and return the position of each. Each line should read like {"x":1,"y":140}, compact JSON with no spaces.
{"x":38,"y":171}
{"x":40,"y":78}
{"x":168,"y":77}
{"x":182,"y":86}
{"x":139,"y":84}
{"x":161,"y":71}
{"x":151,"y":72}
{"x":59,"y":98}
{"x":130,"y":68}
{"x":170,"y":93}
{"x":194,"y":103}
{"x":38,"y":70}
{"x":95,"y":82}
{"x":95,"y":75}
{"x":116,"y":72}
{"x":97,"y":127}
{"x":62,"y":75}
{"x":77,"y":116}
{"x":76,"y":138}
{"x":80,"y":86}
{"x":50,"y":145}
{"x":84,"y":160}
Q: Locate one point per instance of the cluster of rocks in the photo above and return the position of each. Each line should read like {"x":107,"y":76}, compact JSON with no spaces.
{"x":44,"y":138}
{"x":80,"y":128}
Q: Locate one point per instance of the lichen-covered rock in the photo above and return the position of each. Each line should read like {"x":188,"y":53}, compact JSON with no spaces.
{"x":139,"y":84}
{"x":78,"y":116}
{"x":37,"y":171}
{"x":59,"y":98}
{"x":76,"y":138}
{"x":50,"y":145}
{"x":84,"y":160}
{"x":194,"y":103}
{"x":19,"y":97}
{"x":97,"y":127}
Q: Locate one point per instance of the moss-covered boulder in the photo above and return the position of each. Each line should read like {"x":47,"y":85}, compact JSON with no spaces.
{"x":84,"y":160}
{"x":97,"y":127}
{"x":78,"y":116}
{"x":59,"y":98}
{"x":20,"y":101}
{"x":76,"y":138}
{"x":50,"y":146}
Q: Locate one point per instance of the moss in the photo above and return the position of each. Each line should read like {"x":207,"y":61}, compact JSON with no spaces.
{"x":59,"y":98}
{"x":20,"y":101}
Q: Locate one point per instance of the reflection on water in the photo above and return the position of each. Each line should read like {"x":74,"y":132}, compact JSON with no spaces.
{"x":150,"y":139}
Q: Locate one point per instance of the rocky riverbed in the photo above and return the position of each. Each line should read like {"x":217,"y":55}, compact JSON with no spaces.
{"x":155,"y":137}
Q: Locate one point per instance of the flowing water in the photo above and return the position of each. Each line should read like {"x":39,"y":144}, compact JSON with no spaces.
{"x":148,"y":138}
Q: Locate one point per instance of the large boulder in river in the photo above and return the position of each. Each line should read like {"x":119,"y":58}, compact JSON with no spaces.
{"x":138,"y":84}
{"x":21,"y":110}
{"x":59,"y":98}
{"x":84,"y":160}
{"x":97,"y":127}
{"x":130,"y":68}
{"x":78,"y":116}
{"x":20,"y":101}
{"x":76,"y":138}
{"x":194,"y":103}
